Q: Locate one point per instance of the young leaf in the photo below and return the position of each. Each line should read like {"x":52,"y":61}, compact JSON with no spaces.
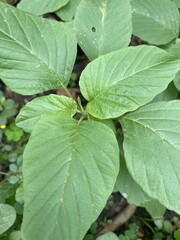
{"x":129,"y":188}
{"x":15,"y":235}
{"x":7,"y":217}
{"x":124,"y":80}
{"x":70,"y":169}
{"x":94,"y":24}
{"x":68,"y":12}
{"x":46,"y":105}
{"x":155,"y":21}
{"x":108,"y":236}
{"x":156,"y":210}
{"x":152,"y":150}
{"x":39,"y":7}
{"x":36,"y":54}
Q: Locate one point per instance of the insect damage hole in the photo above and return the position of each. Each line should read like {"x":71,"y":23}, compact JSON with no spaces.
{"x":93,"y":29}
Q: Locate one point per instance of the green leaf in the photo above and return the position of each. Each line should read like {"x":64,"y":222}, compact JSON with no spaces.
{"x":46,"y":105}
{"x":168,"y":227}
{"x":15,"y":235}
{"x":106,"y":26}
{"x":20,"y":194}
{"x":7,"y":190}
{"x":13,"y":133}
{"x":174,"y":49}
{"x":177,"y":81}
{"x":124,"y":80}
{"x":108,"y":236}
{"x":129,"y":188}
{"x":7,"y":217}
{"x":39,"y":7}
{"x":36,"y":54}
{"x":155,"y":21}
{"x":108,"y":122}
{"x":152,"y":150}
{"x":177,"y":2}
{"x":171,"y":93}
{"x":177,"y":234}
{"x":70,"y":169}
{"x":156,"y":210}
{"x":68,"y":12}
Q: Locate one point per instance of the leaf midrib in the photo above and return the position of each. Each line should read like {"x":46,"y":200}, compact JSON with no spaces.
{"x":155,"y":131}
{"x":33,"y":54}
{"x":117,"y":83}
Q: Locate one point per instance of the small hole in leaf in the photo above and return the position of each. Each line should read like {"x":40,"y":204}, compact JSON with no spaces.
{"x":93,"y":29}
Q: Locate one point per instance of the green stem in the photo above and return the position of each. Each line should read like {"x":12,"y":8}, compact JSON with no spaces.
{"x":147,"y":224}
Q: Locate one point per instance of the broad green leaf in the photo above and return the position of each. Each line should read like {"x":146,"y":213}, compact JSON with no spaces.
{"x":171,"y":93}
{"x":39,"y":7}
{"x":177,"y":2}
{"x":152,"y":150}
{"x":177,"y":234}
{"x":108,"y":236}
{"x":108,"y":122}
{"x":155,"y":21}
{"x":103,"y":26}
{"x":156,"y":210}
{"x":36,"y":54}
{"x":7,"y":190}
{"x":46,"y":105}
{"x":7,"y":217}
{"x":68,"y":12}
{"x":124,"y":80}
{"x":173,"y":47}
{"x":15,"y":235}
{"x":70,"y":169}
{"x":126,"y":185}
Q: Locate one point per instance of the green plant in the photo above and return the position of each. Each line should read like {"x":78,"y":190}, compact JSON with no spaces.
{"x":130,"y":234}
{"x":77,"y":154}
